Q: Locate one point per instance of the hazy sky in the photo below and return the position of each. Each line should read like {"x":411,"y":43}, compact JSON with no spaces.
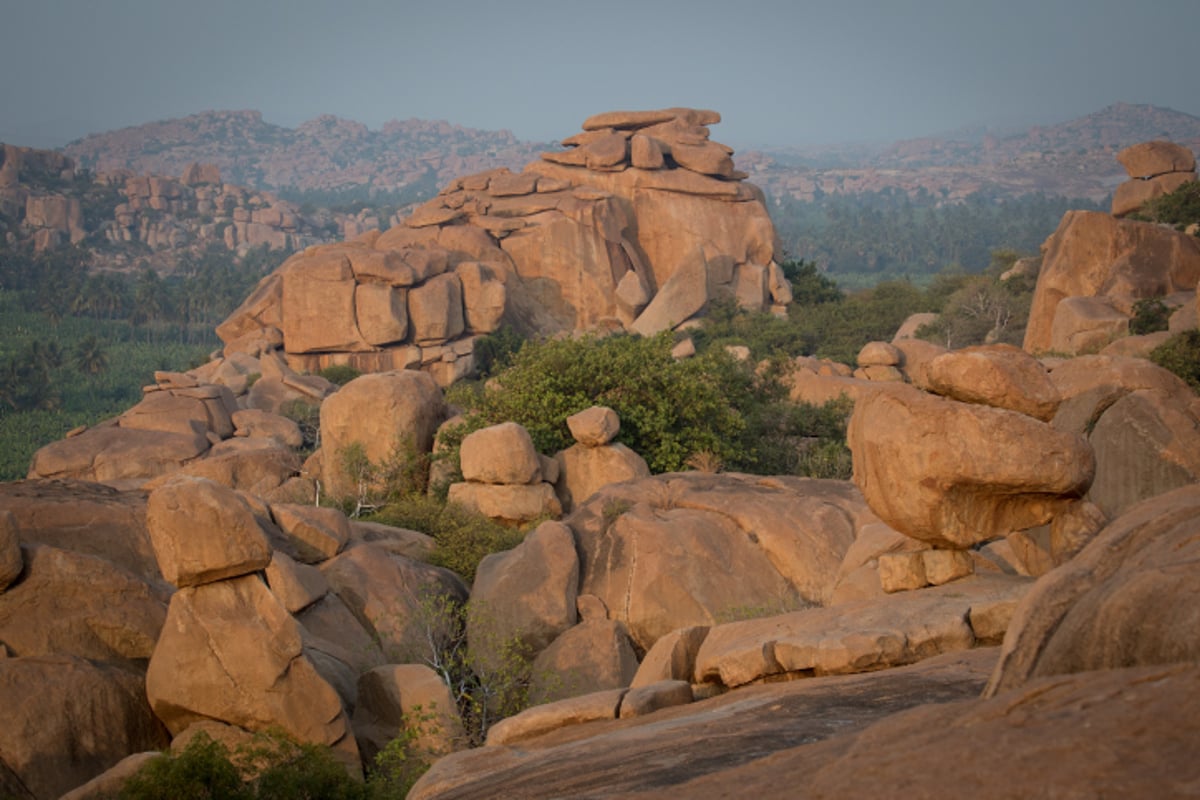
{"x":779,"y":71}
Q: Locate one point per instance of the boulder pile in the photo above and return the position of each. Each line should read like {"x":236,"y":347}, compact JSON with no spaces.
{"x":1155,"y":168}
{"x":635,"y":226}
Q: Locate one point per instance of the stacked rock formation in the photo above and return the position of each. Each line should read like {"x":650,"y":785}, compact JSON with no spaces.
{"x":185,"y":423}
{"x":594,"y":461}
{"x":635,"y":226}
{"x":1096,"y":266}
{"x":1155,"y":168}
{"x":230,"y":650}
{"x":504,"y":476}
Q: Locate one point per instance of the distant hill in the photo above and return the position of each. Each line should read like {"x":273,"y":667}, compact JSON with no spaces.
{"x":328,"y":159}
{"x":1072,"y":159}
{"x":327,"y":154}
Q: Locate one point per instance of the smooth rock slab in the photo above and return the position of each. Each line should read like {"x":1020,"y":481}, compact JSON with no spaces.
{"x":657,"y":752}
{"x":854,"y":637}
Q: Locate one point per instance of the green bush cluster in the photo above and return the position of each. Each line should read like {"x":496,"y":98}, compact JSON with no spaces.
{"x":1181,"y":355}
{"x":461,"y":537}
{"x":1178,"y":209}
{"x":1150,"y":315}
{"x":274,"y":767}
{"x":669,"y":409}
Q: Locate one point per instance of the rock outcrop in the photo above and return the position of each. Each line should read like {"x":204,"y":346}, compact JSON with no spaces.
{"x":635,"y":226}
{"x":957,"y":474}
{"x":1095,"y":267}
{"x":1154,"y":168}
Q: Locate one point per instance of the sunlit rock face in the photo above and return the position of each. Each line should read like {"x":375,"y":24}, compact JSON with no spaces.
{"x":636,"y":225}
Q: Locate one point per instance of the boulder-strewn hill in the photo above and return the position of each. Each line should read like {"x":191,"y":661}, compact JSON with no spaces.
{"x":1073,"y":159}
{"x":321,"y":154}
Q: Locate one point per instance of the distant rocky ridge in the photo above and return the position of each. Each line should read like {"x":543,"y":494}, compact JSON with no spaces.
{"x":323,"y":153}
{"x":45,"y":201}
{"x":1072,"y":159}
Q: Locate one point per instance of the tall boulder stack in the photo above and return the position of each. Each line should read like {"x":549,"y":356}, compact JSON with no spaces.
{"x":1096,"y":266}
{"x":1155,"y":169}
{"x":635,"y":226}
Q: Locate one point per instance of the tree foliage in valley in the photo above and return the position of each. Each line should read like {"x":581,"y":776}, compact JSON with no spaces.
{"x":864,"y":239}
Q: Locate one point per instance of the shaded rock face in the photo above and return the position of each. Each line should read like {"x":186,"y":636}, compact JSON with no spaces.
{"x":1116,"y":262}
{"x":636,"y":225}
{"x":1142,"y":422}
{"x":1125,"y":600}
{"x":686,"y":549}
{"x":67,"y":719}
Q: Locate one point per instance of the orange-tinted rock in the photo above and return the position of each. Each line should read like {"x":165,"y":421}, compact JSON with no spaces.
{"x":585,"y":469}
{"x":72,"y":604}
{"x":588,"y":657}
{"x":1147,"y":159}
{"x":1120,"y":603}
{"x":385,"y":413}
{"x":231,"y":542}
{"x":1095,"y":255}
{"x":955,"y":474}
{"x":435,"y":310}
{"x":1133,"y":194}
{"x":66,"y":720}
{"x":501,"y":453}
{"x":525,"y":594}
{"x":231,"y":652}
{"x":1000,"y":376}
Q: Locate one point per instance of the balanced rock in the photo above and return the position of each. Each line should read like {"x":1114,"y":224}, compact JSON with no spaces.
{"x":956,"y":474}
{"x":1150,"y":159}
{"x":594,"y":426}
{"x":231,"y":652}
{"x":203,"y":532}
{"x":502,"y":453}
{"x":1000,"y":376}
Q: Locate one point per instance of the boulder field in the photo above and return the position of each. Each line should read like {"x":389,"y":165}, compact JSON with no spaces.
{"x":1009,"y":578}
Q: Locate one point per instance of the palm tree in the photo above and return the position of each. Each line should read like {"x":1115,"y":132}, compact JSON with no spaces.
{"x":90,"y":357}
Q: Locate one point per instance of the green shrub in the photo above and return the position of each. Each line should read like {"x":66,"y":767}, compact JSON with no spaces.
{"x":307,"y":415}
{"x":341,"y":374}
{"x":669,"y":409}
{"x":461,"y":537}
{"x":276,"y":767}
{"x":1150,"y":315}
{"x":496,"y":351}
{"x":203,"y":770}
{"x":1181,"y":355}
{"x":1179,"y":208}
